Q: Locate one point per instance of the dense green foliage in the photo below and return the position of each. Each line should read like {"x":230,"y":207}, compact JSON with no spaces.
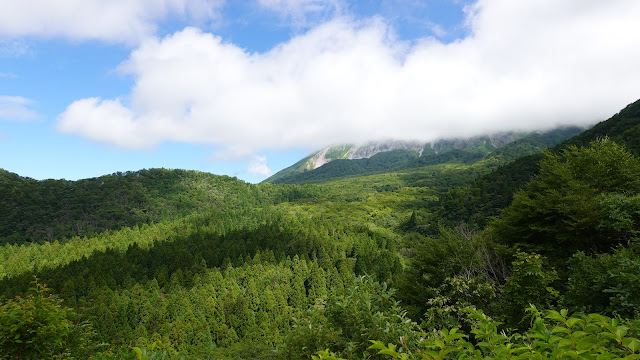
{"x":211,"y":280}
{"x":583,"y":199}
{"x":552,"y":335}
{"x":476,"y":202}
{"x":345,"y":323}
{"x":39,"y":211}
{"x":39,"y":326}
{"x":608,"y":280}
{"x":362,"y":267}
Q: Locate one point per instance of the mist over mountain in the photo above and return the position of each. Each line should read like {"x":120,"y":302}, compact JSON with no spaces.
{"x":349,"y":160}
{"x":483,"y":198}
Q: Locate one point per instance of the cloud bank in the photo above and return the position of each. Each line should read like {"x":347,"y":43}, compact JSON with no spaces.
{"x":120,"y":21}
{"x":527,"y":64}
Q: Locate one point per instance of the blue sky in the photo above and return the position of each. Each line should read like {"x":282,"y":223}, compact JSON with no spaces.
{"x":246,"y":88}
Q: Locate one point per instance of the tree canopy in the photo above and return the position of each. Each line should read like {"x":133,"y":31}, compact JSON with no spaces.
{"x":583,"y":199}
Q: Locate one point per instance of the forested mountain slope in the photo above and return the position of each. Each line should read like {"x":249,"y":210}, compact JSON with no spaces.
{"x":344,"y":152}
{"x":321,"y":271}
{"x":486,"y":196}
{"x":37,"y":211}
{"x":381,"y":162}
{"x":350,"y":154}
{"x":496,"y":149}
{"x":222,"y":278}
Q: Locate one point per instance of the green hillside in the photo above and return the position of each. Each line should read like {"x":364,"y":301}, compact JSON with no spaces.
{"x":306,"y":164}
{"x":486,"y":196}
{"x":381,"y":162}
{"x":38,"y":211}
{"x":443,"y":151}
{"x":292,"y":170}
{"x":384,"y":265}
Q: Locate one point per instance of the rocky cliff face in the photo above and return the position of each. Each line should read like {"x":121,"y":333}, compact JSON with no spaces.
{"x":319,"y":159}
{"x":365,"y":151}
{"x":370,"y":149}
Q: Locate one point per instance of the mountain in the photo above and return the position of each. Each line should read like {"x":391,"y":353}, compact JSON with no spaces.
{"x":352,"y":160}
{"x":47,"y":210}
{"x":184,"y":264}
{"x":478,"y":201}
{"x":343,"y":152}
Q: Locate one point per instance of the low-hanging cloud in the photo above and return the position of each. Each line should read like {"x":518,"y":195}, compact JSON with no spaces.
{"x":121,"y":21}
{"x":525,"y":65}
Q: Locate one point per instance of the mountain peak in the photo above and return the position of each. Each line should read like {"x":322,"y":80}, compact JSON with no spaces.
{"x":370,"y":149}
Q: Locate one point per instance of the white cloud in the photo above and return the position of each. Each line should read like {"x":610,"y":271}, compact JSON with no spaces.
{"x":16,"y":108}
{"x":258,"y":166}
{"x":117,"y":123}
{"x":125,"y":21}
{"x":526,"y":64}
